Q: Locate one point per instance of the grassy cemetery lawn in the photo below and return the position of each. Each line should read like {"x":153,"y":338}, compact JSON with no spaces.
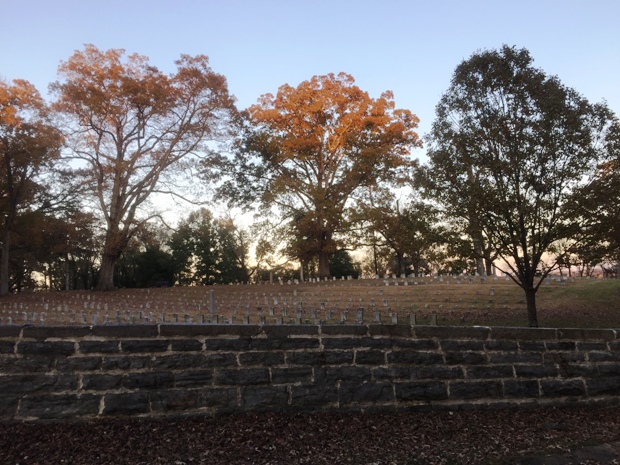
{"x":463,"y":300}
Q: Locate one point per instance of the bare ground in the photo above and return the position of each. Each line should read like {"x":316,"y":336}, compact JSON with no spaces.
{"x":535,"y":437}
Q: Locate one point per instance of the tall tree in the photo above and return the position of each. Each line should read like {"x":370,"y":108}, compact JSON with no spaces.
{"x":210,"y":250}
{"x":309,"y":149}
{"x":597,"y":204}
{"x":29,"y":145}
{"x":531,"y":142}
{"x":410,"y":230}
{"x":130,"y":125}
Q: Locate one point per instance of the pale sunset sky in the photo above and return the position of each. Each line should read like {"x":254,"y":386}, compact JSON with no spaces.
{"x":409,"y":47}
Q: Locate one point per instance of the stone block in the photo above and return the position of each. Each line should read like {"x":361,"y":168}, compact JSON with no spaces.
{"x":181,"y":361}
{"x":286,"y":331}
{"x":402,"y":372}
{"x":401,"y":331}
{"x":99,"y":347}
{"x":536,"y":371}
{"x":490,"y":372}
{"x":272,"y":398}
{"x":193,"y":378}
{"x":578,"y":370}
{"x":12,"y":364}
{"x":603,"y":386}
{"x":7,"y":347}
{"x":313,"y":397}
{"x":561,"y":345}
{"x":293,"y":343}
{"x":372,"y":392}
{"x":178,"y":400}
{"x":608,"y":369}
{"x":460,"y":345}
{"x":421,"y":391}
{"x":10,"y":331}
{"x":350,"y":374}
{"x":261,"y":358}
{"x":8,"y":405}
{"x":221,"y":399}
{"x":610,"y":356}
{"x":532,"y":346}
{"x":344,"y":330}
{"x":587,"y":346}
{"x":437,"y":372}
{"x":452,"y":332}
{"x":126,"y":403}
{"x":27,"y":384}
{"x":185,"y":345}
{"x":524,"y":334}
{"x":48,"y":407}
{"x":144,"y":345}
{"x":501,"y":345}
{"x":342,"y":342}
{"x":314,"y":358}
{"x":84,"y":363}
{"x":475,"y":389}
{"x":55,"y":332}
{"x":415,"y":344}
{"x":101,"y":382}
{"x":465,"y":358}
{"x":148,"y":380}
{"x":376,"y":342}
{"x":125,"y":331}
{"x":46,"y":349}
{"x":562,"y":388}
{"x":291,"y":375}
{"x":124,"y":362}
{"x":502,"y":358}
{"x":228,"y":344}
{"x":241,"y":376}
{"x":370,"y":357}
{"x":521,"y":388}
{"x":578,"y":334}
{"x":415,"y":357}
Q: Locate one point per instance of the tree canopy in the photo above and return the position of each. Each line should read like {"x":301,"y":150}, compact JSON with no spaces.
{"x":129,"y":124}
{"x":508,"y":147}
{"x":310,"y":148}
{"x":29,"y":146}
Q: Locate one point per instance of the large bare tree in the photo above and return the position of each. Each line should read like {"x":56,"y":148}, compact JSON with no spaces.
{"x":130,"y":124}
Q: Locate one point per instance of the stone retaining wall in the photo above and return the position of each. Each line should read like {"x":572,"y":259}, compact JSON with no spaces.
{"x":172,"y":369}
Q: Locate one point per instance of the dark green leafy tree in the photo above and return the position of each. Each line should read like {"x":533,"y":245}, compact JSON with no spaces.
{"x":411,"y":231}
{"x":597,"y":206}
{"x":341,"y":265}
{"x":508,"y":148}
{"x":210,"y":250}
{"x":29,"y":146}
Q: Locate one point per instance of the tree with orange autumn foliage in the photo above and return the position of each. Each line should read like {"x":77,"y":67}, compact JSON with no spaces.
{"x":128,"y":124}
{"x":309,"y":149}
{"x":28,"y":145}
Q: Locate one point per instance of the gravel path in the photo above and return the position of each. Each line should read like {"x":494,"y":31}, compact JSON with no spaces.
{"x":464,"y":437}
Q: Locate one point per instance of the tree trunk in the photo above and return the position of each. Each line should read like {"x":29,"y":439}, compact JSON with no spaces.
{"x":478,"y":252}
{"x":4,"y":263}
{"x":106,"y":273}
{"x":324,"y":264}
{"x":530,"y":298}
{"x":488,"y":263}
